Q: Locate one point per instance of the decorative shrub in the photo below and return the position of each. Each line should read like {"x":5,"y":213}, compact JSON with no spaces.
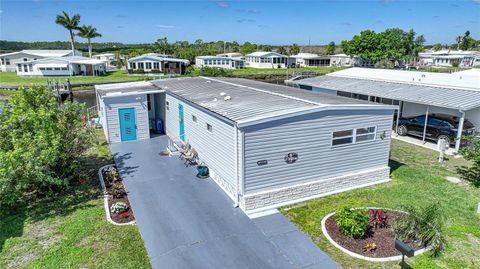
{"x":130,"y":71}
{"x":378,"y":218}
{"x":155,"y":71}
{"x":124,"y":215}
{"x":370,"y":247}
{"x":119,"y":208}
{"x":112,"y":174}
{"x":424,"y":225}
{"x":116,"y":191}
{"x":353,"y":223}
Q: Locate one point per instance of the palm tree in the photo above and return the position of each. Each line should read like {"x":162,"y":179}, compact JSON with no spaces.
{"x":88,"y":32}
{"x":70,"y":24}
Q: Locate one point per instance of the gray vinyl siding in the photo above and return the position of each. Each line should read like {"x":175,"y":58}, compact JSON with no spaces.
{"x":112,"y":104}
{"x":310,"y":137}
{"x":216,"y":149}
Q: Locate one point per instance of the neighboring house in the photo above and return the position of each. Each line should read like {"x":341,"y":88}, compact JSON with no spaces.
{"x":158,"y":63}
{"x":265,"y":145}
{"x":108,"y":58}
{"x":311,"y":60}
{"x":445,"y":58}
{"x":341,"y":60}
{"x":262,"y":59}
{"x":9,"y":61}
{"x":62,"y":66}
{"x":220,"y":62}
{"x":417,"y":93}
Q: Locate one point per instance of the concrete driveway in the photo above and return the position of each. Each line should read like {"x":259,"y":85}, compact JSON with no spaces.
{"x":187,"y":222}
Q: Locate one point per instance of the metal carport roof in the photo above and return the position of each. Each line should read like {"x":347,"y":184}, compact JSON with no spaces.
{"x":453,"y":98}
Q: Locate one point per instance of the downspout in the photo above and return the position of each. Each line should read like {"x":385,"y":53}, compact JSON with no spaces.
{"x":237,"y":178}
{"x":459,"y":131}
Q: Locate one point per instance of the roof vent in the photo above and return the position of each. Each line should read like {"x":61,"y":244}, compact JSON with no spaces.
{"x":222,"y":94}
{"x":228,"y":97}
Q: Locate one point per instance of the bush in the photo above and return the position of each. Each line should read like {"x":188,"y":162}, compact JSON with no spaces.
{"x":385,"y":64}
{"x":424,"y":225}
{"x":41,"y":145}
{"x":116,"y":191}
{"x":155,"y":71}
{"x":139,"y":71}
{"x":455,"y":63}
{"x":213,"y":72}
{"x":112,"y":175}
{"x":119,"y":208}
{"x":471,"y":152}
{"x":130,"y":71}
{"x":353,"y":223}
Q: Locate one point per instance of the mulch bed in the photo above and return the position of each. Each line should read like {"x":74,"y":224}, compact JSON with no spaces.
{"x":382,"y":237}
{"x":123,"y":198}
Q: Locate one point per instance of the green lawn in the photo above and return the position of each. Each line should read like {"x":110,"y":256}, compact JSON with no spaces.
{"x":70,"y":230}
{"x":417,"y":180}
{"x":11,"y":79}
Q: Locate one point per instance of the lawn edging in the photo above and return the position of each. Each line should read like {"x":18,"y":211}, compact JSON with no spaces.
{"x":105,"y":198}
{"x":356,"y":255}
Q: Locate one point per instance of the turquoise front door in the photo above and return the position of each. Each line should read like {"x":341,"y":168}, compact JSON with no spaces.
{"x":128,"y":126}
{"x":181,"y":122}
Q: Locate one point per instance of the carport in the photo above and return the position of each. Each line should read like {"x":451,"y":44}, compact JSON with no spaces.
{"x":414,"y":92}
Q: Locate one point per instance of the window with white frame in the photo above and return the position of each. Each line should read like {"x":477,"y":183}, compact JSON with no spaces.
{"x":194,"y":118}
{"x":352,"y":136}
{"x":342,"y":137}
{"x":209,"y":128}
{"x":167,"y":105}
{"x":148,"y":65}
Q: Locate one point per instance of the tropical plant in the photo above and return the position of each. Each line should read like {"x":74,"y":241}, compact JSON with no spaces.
{"x":370,"y":247}
{"x":455,"y":63}
{"x":330,"y":49}
{"x":471,"y":152}
{"x":42,"y":145}
{"x":282,"y":50}
{"x":116,"y":191}
{"x":119,"y":208}
{"x":422,"y":224}
{"x":378,"y":218}
{"x":294,"y":49}
{"x":353,"y":223}
{"x":88,"y":32}
{"x":111,"y":174}
{"x":69,"y":23}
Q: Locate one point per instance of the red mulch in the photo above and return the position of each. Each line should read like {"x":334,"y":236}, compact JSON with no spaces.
{"x":382,"y":237}
{"x":111,"y":200}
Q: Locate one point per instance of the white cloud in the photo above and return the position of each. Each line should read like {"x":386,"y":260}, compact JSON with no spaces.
{"x":1,"y":12}
{"x":222,"y":4}
{"x":476,"y":1}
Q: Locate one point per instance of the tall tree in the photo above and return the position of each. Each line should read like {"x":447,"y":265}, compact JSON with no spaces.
{"x":330,"y":49}
{"x":69,"y":23}
{"x":88,"y":32}
{"x":164,"y":47}
{"x":282,"y":50}
{"x":248,"y":48}
{"x":466,"y":42}
{"x":294,"y":49}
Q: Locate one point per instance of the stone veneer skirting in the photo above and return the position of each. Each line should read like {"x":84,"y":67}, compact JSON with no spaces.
{"x":293,"y":194}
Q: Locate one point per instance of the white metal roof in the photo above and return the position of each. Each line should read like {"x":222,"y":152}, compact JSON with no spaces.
{"x":265,"y":54}
{"x":437,"y":89}
{"x":43,"y":53}
{"x":66,"y":60}
{"x":157,"y":57}
{"x":310,"y":56}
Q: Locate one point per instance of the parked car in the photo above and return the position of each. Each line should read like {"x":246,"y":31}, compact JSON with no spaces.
{"x":439,"y":126}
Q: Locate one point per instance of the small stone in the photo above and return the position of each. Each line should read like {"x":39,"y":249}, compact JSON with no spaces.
{"x":454,"y":180}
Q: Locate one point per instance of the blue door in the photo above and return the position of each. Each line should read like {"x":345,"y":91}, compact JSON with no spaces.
{"x":128,"y":126}
{"x":181,"y":122}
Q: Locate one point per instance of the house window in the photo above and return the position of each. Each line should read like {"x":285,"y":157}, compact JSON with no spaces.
{"x":156,"y":66}
{"x":209,"y":128}
{"x":25,"y":68}
{"x":167,"y":105}
{"x":365,"y":134}
{"x":148,"y":65}
{"x":3,"y":61}
{"x":149,"y":103}
{"x":57,"y":68}
{"x":342,"y":137}
{"x":19,"y":68}
{"x":7,"y":61}
{"x":64,"y":68}
{"x":194,"y":118}
{"x":133,"y":65}
{"x":25,"y":59}
{"x":140,"y":66}
{"x":30,"y":67}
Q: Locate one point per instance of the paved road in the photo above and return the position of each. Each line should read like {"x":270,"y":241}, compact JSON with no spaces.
{"x":187,"y":222}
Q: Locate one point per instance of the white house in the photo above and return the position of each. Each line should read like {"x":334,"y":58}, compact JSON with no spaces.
{"x":108,"y":58}
{"x":157,"y":63}
{"x":220,"y":62}
{"x":266,"y":59}
{"x":446,"y":57}
{"x":9,"y":61}
{"x":341,"y":60}
{"x":311,"y":60}
{"x":416,"y":93}
{"x":265,"y":145}
{"x":231,"y":55}
{"x":61,"y":66}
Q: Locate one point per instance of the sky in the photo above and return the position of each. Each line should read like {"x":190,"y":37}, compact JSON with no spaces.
{"x":270,"y":22}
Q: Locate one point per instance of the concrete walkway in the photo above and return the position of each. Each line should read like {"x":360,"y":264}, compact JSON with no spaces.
{"x":187,"y":222}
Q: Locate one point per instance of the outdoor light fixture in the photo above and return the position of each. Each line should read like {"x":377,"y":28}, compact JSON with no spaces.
{"x":405,"y":250}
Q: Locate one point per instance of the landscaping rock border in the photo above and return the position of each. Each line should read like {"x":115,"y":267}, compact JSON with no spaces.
{"x":356,"y":255}
{"x":105,"y":198}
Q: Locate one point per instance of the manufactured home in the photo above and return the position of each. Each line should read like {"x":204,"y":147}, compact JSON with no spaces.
{"x":265,"y":145}
{"x":219,"y":62}
{"x":158,"y":64}
{"x":9,"y":61}
{"x":311,"y":60}
{"x":416,"y":93}
{"x":265,"y":59}
{"x":62,"y":66}
{"x":445,"y":58}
